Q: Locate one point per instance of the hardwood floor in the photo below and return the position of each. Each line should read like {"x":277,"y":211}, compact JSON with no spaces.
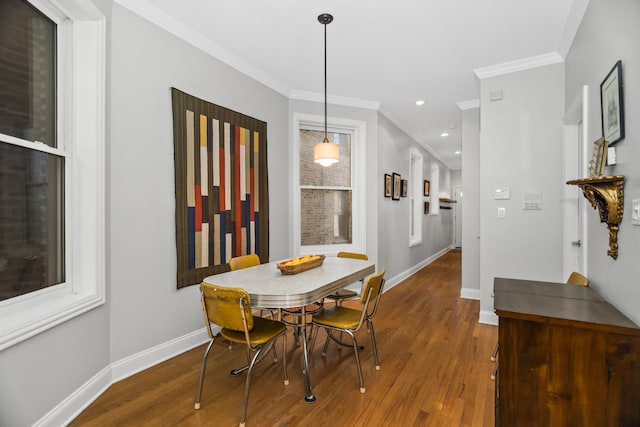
{"x":435,"y":372}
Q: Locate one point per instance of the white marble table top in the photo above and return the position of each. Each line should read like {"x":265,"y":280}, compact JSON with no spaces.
{"x":269,"y":288}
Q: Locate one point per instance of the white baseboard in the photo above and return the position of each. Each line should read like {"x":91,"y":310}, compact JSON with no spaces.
{"x":391,"y":282}
{"x":79,"y":400}
{"x":488,"y":318}
{"x":469,"y":293}
{"x":145,"y":359}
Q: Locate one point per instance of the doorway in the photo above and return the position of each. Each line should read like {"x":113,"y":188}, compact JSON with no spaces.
{"x":575,"y":142}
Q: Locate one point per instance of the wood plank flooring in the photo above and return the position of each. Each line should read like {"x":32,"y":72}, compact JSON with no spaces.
{"x":435,"y":372}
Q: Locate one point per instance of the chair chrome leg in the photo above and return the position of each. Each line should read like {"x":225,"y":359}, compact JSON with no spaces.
{"x":203,"y":369}
{"x":494,"y":355}
{"x":326,"y":343}
{"x":373,"y":344}
{"x":494,"y":373}
{"x":284,"y":357}
{"x":355,"y":350}
{"x":255,"y":358}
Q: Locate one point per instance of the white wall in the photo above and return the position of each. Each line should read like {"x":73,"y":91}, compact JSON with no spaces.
{"x":393,"y":215}
{"x":606,"y":35}
{"x":470,"y":132}
{"x":521,"y":143}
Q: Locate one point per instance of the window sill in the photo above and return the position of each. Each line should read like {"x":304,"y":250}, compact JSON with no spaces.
{"x":23,"y":319}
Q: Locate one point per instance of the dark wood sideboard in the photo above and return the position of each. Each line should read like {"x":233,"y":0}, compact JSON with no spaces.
{"x":566,"y":357}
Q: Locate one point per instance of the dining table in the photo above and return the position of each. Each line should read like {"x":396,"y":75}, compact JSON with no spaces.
{"x":268,"y":288}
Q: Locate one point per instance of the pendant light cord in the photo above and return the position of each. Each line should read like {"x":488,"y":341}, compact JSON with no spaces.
{"x":325,"y":83}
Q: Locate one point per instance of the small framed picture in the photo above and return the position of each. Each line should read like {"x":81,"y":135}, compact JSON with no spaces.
{"x":427,"y":185}
{"x":387,"y":185}
{"x":395,"y":188}
{"x":599,"y":158}
{"x":404,"y":187}
{"x":611,"y":105}
{"x":426,"y":208}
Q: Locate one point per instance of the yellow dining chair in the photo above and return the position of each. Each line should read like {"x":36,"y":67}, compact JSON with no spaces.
{"x":230,"y":308}
{"x":575,"y":278}
{"x":343,"y":294}
{"x":337,"y":318}
{"x":246,"y":261}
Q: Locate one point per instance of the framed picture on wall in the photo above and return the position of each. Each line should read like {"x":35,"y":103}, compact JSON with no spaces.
{"x":427,"y":185}
{"x":611,"y":105}
{"x":396,"y":187}
{"x":387,"y":185}
{"x":426,"y":208}
{"x":404,"y":187}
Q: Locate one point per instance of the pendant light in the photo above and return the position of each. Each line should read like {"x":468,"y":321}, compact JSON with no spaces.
{"x":325,"y":153}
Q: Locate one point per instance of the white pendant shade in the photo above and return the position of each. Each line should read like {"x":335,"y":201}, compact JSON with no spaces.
{"x":326,"y":153}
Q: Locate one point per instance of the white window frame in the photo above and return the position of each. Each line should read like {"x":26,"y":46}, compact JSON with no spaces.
{"x":358,"y":180}
{"x":416,"y":188}
{"x":81,"y":141}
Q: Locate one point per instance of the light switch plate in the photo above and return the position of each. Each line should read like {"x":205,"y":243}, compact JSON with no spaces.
{"x":502,"y":193}
{"x":502,"y":212}
{"x":635,"y":212}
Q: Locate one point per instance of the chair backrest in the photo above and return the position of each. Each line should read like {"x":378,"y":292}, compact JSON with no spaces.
{"x":229,"y":308}
{"x":577,"y":279}
{"x":372,"y":290}
{"x":354,"y":255}
{"x":244,"y":261}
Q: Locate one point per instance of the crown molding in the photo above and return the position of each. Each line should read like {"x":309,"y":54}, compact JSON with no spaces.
{"x":152,"y":14}
{"x":335,"y":100}
{"x":518,"y":65}
{"x":469,"y":105}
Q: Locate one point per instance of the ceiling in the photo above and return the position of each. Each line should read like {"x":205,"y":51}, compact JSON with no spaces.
{"x":381,"y":54}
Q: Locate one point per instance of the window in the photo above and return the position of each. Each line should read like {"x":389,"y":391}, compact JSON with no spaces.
{"x":51,"y":164}
{"x":328,"y":199}
{"x":416,"y":189}
{"x":31,"y":179}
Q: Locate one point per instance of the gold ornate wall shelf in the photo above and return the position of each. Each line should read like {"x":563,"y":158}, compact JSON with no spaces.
{"x":605,"y":193}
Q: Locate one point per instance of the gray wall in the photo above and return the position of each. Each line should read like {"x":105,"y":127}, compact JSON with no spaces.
{"x":144,"y":309}
{"x":610,"y":32}
{"x":521,"y":148}
{"x":470,"y":131}
{"x":393,"y":234}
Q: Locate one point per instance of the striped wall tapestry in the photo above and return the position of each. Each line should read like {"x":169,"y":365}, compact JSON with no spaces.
{"x":222,"y":208}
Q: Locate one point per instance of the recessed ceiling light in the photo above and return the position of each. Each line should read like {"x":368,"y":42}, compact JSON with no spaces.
{"x":443,"y":134}
{"x":419,"y":102}
{"x":458,"y":152}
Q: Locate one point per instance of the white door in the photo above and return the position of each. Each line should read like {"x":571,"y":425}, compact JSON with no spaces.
{"x":457,"y":216}
{"x":576,"y":138}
